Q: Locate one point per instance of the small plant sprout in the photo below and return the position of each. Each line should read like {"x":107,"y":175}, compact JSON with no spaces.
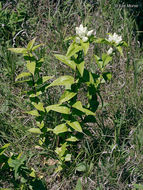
{"x":82,"y":33}
{"x":114,"y":38}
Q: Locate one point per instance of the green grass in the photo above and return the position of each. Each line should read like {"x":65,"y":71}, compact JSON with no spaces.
{"x":112,"y":157}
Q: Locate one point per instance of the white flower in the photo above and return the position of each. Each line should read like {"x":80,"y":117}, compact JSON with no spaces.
{"x":114,"y":38}
{"x":110,"y":51}
{"x":84,"y":39}
{"x":89,"y":33}
{"x":82,"y":33}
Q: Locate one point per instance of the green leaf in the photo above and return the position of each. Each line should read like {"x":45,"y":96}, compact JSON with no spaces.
{"x":58,"y":150}
{"x":91,"y":79}
{"x":16,"y":164}
{"x":33,"y":112}
{"x":35,"y":130}
{"x":24,"y":74}
{"x":39,"y":106}
{"x":81,"y":167}
{"x":33,"y":174}
{"x":66,"y":96}
{"x":68,"y":157}
{"x":30,"y":44}
{"x":60,"y":129}
{"x":73,"y":49}
{"x":40,"y":125}
{"x":107,"y":76}
{"x":18,"y":50}
{"x":64,"y":148}
{"x":66,"y":60}
{"x":85,"y":46}
{"x":106,"y":59}
{"x":49,"y":129}
{"x":22,"y":81}
{"x":72,"y":139}
{"x":98,"y":61}
{"x":101,"y":41}
{"x":78,"y":185}
{"x":45,"y":78}
{"x":58,"y":169}
{"x":119,"y":48}
{"x":68,"y":38}
{"x":68,"y":87}
{"x":35,"y":47}
{"x":31,"y":67}
{"x":138,"y":186}
{"x":124,"y":44}
{"x":35,"y":95}
{"x":3,"y":148}
{"x":75,"y":125}
{"x":39,"y":63}
{"x":80,"y":68}
{"x":78,"y":106}
{"x":63,"y":80}
{"x":61,"y":150}
{"x":58,"y":108}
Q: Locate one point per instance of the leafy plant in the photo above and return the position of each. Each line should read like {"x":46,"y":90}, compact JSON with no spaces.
{"x":75,"y":113}
{"x":3,"y":157}
{"x":16,"y":164}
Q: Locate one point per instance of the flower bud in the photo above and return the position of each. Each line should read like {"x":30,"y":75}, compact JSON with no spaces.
{"x":89,"y":33}
{"x":110,"y":51}
{"x":85,"y":39}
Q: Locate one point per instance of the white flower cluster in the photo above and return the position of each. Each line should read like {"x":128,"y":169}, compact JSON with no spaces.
{"x":114,"y":38}
{"x":82,"y":33}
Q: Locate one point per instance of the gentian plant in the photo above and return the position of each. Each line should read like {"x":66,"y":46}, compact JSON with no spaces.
{"x":75,"y":114}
